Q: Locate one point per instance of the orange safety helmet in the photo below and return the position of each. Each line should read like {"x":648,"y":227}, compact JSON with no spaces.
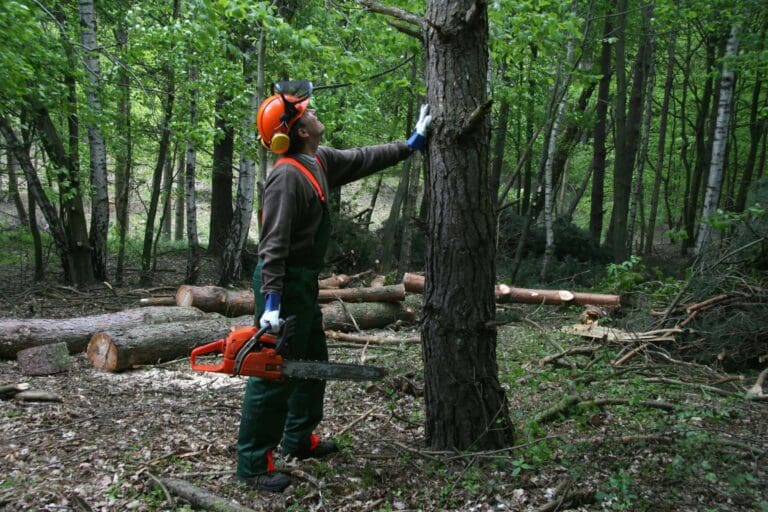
{"x":278,"y":113}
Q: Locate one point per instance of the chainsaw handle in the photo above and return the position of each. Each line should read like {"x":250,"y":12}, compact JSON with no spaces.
{"x":216,"y":346}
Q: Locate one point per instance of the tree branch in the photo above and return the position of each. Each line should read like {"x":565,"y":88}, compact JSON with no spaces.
{"x":394,"y":12}
{"x":475,"y":118}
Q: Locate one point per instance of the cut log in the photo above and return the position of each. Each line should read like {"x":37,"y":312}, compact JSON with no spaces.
{"x":371,"y":315}
{"x":37,"y":395}
{"x":335,"y":281}
{"x":45,"y":359}
{"x":10,"y":390}
{"x":392,"y":293}
{"x":414,"y":283}
{"x":378,"y":281}
{"x":214,"y":299}
{"x":116,"y":350}
{"x":18,"y":334}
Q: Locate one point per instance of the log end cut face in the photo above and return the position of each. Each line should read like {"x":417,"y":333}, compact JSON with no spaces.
{"x":102,"y":353}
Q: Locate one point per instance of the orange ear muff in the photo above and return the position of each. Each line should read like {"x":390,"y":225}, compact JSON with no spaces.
{"x":280,"y":143}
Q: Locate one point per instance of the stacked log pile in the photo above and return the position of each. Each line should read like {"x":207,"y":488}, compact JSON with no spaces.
{"x":150,"y":335}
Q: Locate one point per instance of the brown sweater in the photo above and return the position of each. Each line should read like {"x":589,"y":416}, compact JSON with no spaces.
{"x":291,"y":209}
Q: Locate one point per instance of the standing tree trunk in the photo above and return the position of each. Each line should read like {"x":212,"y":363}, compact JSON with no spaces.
{"x":756,"y":129}
{"x":98,"y":150}
{"x":13,"y":190}
{"x":500,"y":141}
{"x":409,"y":212}
{"x":232,"y":258}
{"x":157,"y":175}
{"x":637,"y":186}
{"x":36,"y":239}
{"x":697,"y":173}
{"x":193,"y":255}
{"x":221,"y":178}
{"x":668,"y":84}
{"x":466,"y":406}
{"x":561,"y":85}
{"x":36,"y":190}
{"x":178,"y":228}
{"x":168,"y":178}
{"x":718,"y":144}
{"x":599,"y":153}
{"x":627,"y":130}
{"x":124,"y":155}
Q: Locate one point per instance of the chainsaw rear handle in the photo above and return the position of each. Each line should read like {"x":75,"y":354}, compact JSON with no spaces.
{"x":216,"y":346}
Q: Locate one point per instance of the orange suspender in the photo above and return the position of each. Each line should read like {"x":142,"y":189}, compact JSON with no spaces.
{"x":306,"y":173}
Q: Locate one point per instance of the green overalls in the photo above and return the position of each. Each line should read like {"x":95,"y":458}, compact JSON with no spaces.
{"x":289,"y":410}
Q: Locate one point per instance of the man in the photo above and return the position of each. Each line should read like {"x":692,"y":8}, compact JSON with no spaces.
{"x":295,"y":230}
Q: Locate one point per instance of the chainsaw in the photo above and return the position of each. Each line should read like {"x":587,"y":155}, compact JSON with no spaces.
{"x":254,"y":352}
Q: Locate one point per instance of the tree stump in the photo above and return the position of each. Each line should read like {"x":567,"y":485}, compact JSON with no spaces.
{"x":45,"y":359}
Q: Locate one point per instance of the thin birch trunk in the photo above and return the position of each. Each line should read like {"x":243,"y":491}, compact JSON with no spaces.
{"x":100,"y":194}
{"x":564,"y":82}
{"x":719,"y":144}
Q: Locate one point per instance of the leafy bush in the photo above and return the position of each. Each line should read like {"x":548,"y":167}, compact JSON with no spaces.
{"x":352,"y":247}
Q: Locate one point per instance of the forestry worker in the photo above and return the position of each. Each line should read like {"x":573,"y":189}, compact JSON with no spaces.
{"x":296,"y":225}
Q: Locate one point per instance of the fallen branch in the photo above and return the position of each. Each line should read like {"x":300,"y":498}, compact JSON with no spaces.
{"x":757,"y":390}
{"x":369,"y":340}
{"x":581,"y":350}
{"x":199,"y":497}
{"x":356,"y":421}
{"x":629,"y":355}
{"x":707,"y":303}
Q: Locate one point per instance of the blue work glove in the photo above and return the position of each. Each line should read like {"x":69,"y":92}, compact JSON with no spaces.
{"x":271,"y":316}
{"x":418,"y":140}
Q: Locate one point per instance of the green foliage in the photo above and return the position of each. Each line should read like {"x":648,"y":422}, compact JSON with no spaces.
{"x":625,"y":276}
{"x":352,"y":247}
{"x":617,"y":493}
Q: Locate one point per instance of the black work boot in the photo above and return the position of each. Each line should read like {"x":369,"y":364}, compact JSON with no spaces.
{"x":317,"y":449}
{"x":272,"y":482}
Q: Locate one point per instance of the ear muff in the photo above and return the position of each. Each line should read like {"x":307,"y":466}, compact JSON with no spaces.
{"x":280,"y":143}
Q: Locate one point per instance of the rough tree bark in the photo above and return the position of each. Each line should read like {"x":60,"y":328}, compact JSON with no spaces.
{"x":465,"y":405}
{"x":663,"y":121}
{"x":124,"y":154}
{"x":599,"y":151}
{"x":193,"y":254}
{"x":221,"y":178}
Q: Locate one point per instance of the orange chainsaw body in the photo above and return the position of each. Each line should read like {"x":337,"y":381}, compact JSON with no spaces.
{"x":262,"y":360}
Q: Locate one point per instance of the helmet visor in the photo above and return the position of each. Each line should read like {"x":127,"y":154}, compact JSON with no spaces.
{"x":301,"y":89}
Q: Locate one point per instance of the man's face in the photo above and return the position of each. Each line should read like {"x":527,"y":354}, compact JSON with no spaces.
{"x":312,"y":124}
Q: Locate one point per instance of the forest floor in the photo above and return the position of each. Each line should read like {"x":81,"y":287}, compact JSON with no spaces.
{"x":652,"y":434}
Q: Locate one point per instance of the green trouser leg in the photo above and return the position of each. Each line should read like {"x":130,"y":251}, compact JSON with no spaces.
{"x":284,"y":410}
